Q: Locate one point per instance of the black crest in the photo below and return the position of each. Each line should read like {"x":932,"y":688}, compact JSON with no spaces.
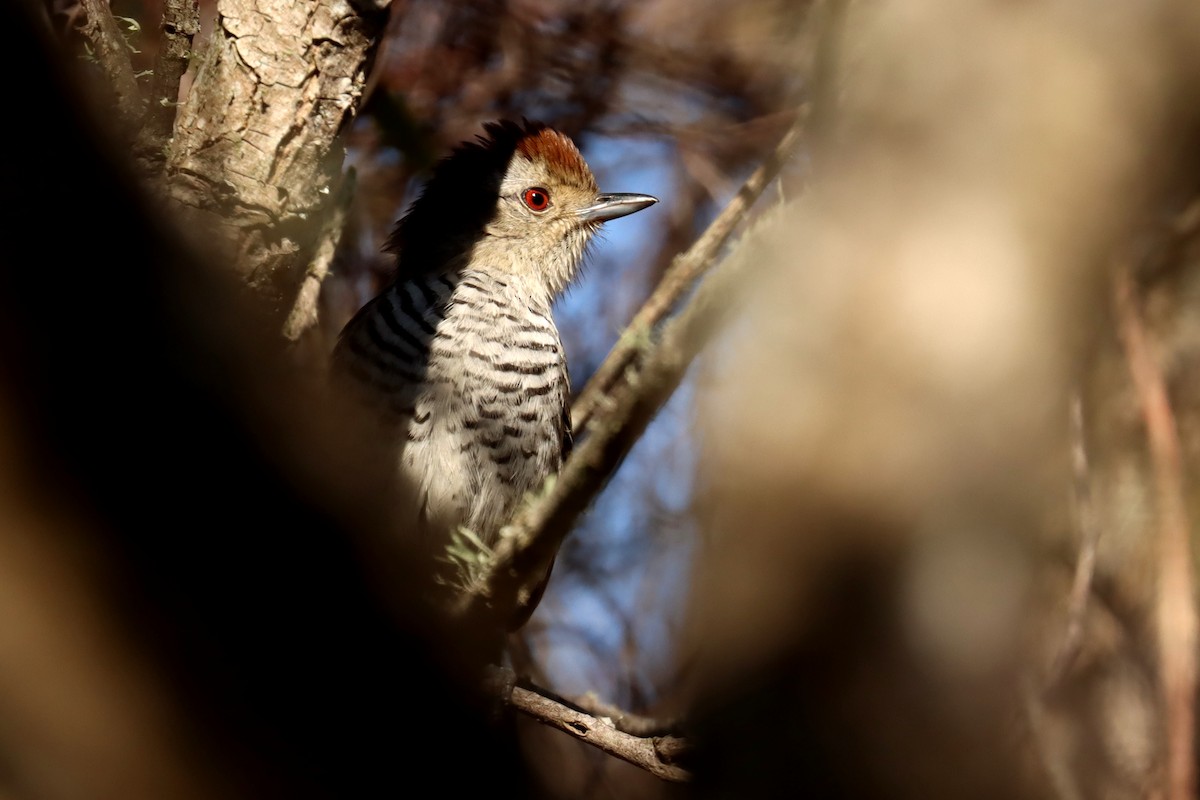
{"x":459,"y":199}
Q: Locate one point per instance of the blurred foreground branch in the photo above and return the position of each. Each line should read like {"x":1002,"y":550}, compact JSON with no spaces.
{"x":530,"y":542}
{"x":1089,"y":537}
{"x":1175,"y":608}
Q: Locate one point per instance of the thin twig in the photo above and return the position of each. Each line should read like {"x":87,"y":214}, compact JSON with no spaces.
{"x":646,"y":753}
{"x":622,"y":720}
{"x":1175,"y":609}
{"x":113,"y":57}
{"x":625,"y":721}
{"x":180,"y":24}
{"x":1089,"y":538}
{"x":679,"y":277}
{"x":303,"y":315}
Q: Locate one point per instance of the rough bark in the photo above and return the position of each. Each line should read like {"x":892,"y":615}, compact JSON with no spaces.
{"x":179,"y":26}
{"x":113,"y":57}
{"x":255,"y":149}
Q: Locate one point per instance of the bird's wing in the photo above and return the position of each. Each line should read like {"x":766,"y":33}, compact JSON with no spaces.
{"x":385,"y":356}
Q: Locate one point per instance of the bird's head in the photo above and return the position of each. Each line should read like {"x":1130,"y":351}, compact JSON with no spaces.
{"x":519,"y":199}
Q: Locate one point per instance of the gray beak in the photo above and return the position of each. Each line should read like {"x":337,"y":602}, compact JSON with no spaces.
{"x":612,"y":206}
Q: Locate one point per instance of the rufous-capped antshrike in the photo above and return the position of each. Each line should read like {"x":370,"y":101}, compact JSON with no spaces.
{"x":459,"y":354}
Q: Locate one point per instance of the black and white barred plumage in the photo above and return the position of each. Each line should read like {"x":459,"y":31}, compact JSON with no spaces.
{"x":475,"y":378}
{"x":459,"y":356}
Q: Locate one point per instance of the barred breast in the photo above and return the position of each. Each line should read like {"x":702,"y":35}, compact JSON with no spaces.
{"x":471,"y":378}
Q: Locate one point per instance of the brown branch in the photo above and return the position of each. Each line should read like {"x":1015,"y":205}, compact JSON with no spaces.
{"x":528,"y":545}
{"x":651,"y":754}
{"x":253,"y":157}
{"x":113,"y":57}
{"x":678,"y":278}
{"x":304,"y":311}
{"x":625,"y":721}
{"x":619,"y":718}
{"x":1089,"y":537}
{"x":180,"y":23}
{"x":1175,"y":609}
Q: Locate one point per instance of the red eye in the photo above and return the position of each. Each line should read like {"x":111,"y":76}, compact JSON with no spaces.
{"x":537,"y":199}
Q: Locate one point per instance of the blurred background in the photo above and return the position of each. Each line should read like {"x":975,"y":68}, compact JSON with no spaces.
{"x":900,"y":532}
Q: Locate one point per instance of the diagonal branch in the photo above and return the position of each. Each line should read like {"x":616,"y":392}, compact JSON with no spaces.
{"x":1175,"y":608}
{"x":303,"y":315}
{"x":619,"y":718}
{"x":1089,"y":538}
{"x":679,"y":277}
{"x":622,"y":720}
{"x":113,"y":57}
{"x":528,"y":545}
{"x":653,"y":754}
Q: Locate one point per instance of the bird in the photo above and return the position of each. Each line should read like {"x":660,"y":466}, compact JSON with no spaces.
{"x":459,"y":356}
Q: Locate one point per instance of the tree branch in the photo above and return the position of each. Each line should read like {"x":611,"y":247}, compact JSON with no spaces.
{"x":652,"y":754}
{"x":180,"y":24}
{"x":1175,"y":609}
{"x":1089,"y":538}
{"x":622,"y":720}
{"x":679,"y":277}
{"x":254,"y":153}
{"x":625,"y":721}
{"x":528,"y":544}
{"x":113,"y":57}
{"x":304,"y":313}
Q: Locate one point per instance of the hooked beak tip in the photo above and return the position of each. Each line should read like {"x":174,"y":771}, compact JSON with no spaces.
{"x":614,"y":206}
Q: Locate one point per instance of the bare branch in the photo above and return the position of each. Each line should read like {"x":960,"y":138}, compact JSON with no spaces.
{"x":304,"y":313}
{"x":622,"y":720}
{"x":530,"y":542}
{"x":180,"y":24}
{"x":679,"y":277}
{"x":1089,"y":537}
{"x":1175,"y":609}
{"x":113,"y":56}
{"x":651,"y":754}
{"x":625,"y":721}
